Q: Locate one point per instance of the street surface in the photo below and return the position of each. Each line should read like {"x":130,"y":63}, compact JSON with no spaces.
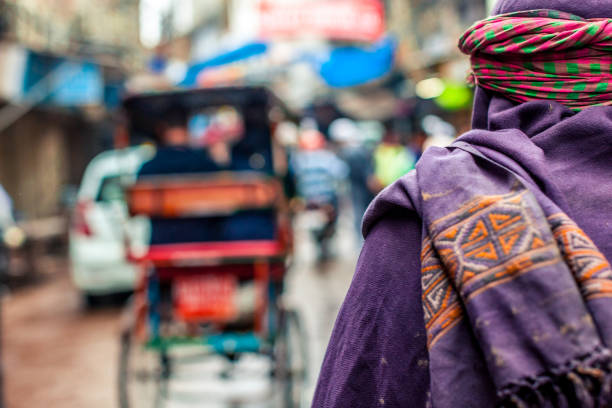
{"x":56,"y":353}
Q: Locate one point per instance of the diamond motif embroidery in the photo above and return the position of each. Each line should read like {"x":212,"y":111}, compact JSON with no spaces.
{"x":467,"y":252}
{"x":493,"y":239}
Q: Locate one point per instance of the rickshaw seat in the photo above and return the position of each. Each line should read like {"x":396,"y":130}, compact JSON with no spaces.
{"x":196,"y":195}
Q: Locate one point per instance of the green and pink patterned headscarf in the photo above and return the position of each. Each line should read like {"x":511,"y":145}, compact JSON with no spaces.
{"x":543,"y":54}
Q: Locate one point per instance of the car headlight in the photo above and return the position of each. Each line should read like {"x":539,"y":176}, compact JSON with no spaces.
{"x":13,"y":237}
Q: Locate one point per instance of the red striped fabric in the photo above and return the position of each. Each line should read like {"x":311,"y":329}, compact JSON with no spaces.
{"x":543,"y":54}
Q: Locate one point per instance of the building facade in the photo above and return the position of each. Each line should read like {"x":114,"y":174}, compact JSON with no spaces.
{"x":63,"y":63}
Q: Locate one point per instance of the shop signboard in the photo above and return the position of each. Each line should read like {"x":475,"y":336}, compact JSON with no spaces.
{"x":343,"y":20}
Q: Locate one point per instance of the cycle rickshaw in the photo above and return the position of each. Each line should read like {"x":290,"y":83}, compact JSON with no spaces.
{"x":208,"y":303}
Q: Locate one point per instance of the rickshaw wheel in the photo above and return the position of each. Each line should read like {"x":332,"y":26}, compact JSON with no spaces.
{"x":291,"y":359}
{"x":141,"y":370}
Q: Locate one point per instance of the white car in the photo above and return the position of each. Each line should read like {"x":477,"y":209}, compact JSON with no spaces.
{"x":101,"y":223}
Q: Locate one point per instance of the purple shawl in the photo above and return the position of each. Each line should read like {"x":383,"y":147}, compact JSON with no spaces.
{"x":538,"y":319}
{"x":510,"y":282}
{"x":511,"y":343}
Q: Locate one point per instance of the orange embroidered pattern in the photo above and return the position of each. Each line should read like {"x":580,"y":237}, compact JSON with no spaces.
{"x":588,"y":265}
{"x":492,"y":240}
{"x":440,"y":301}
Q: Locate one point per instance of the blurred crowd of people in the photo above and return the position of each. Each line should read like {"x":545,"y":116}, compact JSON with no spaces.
{"x":352,"y":161}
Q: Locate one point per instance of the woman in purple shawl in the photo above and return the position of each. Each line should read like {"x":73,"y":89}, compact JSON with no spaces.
{"x":484,"y":279}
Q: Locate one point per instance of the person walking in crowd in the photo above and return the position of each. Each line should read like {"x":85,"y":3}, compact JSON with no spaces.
{"x":318,"y":171}
{"x":484,"y":279}
{"x":347,"y":135}
{"x":391,"y":159}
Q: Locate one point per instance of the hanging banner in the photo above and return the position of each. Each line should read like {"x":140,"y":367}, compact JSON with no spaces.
{"x":239,"y":54}
{"x":345,"y":20}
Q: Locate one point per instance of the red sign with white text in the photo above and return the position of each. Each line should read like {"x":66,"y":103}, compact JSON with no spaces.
{"x":209,"y":297}
{"x":348,"y":20}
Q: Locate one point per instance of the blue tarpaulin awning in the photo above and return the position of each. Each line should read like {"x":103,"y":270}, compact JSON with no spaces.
{"x":242,"y":53}
{"x":352,"y":66}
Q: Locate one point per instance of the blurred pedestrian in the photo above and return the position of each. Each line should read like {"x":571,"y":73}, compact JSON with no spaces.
{"x":392,"y":159}
{"x":417,"y":142}
{"x":358,"y":158}
{"x":174,"y":155}
{"x":318,"y":172}
{"x":485,"y":279}
{"x":439,"y":132}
